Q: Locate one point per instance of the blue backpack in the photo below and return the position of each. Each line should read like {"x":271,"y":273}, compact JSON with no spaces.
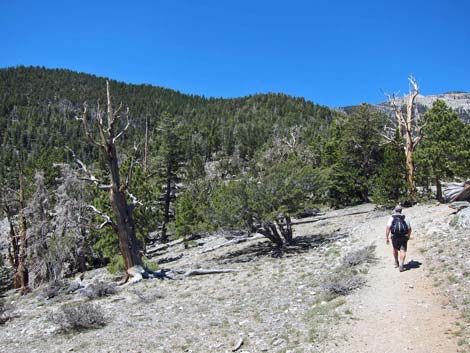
{"x":399,"y":226}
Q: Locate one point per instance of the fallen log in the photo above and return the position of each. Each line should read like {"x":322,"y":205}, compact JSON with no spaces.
{"x":201,"y":271}
{"x":238,"y":345}
{"x":231,"y":242}
{"x":459,"y":205}
{"x":151,"y":251}
{"x":456,"y":191}
{"x":328,"y":217}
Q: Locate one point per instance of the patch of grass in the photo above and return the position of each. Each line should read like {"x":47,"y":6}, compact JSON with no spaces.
{"x":454,"y":220}
{"x":462,"y":342}
{"x":333,"y":252}
{"x":452,"y":279}
{"x":364,"y":271}
{"x":150,"y":265}
{"x":320,"y":315}
{"x":466,"y":314}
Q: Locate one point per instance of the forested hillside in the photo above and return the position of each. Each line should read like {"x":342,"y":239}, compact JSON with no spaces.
{"x":193,"y":164}
{"x":38,"y":107}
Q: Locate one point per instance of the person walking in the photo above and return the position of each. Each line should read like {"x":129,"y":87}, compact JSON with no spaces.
{"x":400,"y":227}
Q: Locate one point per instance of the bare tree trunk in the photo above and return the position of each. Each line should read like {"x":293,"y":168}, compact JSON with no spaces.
{"x":439,"y":189}
{"x":13,"y":248}
{"x":409,"y":161}
{"x":280,"y":232}
{"x":407,"y":125}
{"x":125,"y":230}
{"x":123,"y":224}
{"x":22,"y":274}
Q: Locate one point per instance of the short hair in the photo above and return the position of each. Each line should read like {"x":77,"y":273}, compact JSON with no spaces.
{"x":398,"y":208}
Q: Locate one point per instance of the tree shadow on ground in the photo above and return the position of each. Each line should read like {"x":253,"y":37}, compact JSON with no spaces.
{"x":300,"y":244}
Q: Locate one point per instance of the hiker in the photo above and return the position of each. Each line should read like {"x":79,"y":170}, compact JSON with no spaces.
{"x":400,"y":228}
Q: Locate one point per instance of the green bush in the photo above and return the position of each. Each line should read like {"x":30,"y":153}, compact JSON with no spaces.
{"x":116,"y":264}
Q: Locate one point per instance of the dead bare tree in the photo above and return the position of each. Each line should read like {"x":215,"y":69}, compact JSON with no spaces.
{"x":13,"y":202}
{"x":38,"y":215}
{"x":123,"y":223}
{"x":407,"y":127}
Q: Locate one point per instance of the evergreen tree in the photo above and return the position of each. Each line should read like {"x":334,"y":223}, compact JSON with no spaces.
{"x":390,"y":183}
{"x":444,"y":150}
{"x":355,"y":154}
{"x":169,"y":163}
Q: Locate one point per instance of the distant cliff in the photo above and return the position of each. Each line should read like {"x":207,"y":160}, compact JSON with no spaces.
{"x":459,"y":101}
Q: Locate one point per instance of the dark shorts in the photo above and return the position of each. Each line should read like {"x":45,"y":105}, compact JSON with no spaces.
{"x":399,"y":242}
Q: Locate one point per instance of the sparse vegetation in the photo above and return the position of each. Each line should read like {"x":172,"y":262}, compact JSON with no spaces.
{"x":53,"y":289}
{"x":6,"y":312}
{"x":78,"y":316}
{"x":359,"y":256}
{"x":342,"y":282}
{"x":98,"y":289}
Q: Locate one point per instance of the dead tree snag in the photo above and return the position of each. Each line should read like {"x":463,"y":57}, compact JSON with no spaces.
{"x":407,"y":127}
{"x":123,"y":223}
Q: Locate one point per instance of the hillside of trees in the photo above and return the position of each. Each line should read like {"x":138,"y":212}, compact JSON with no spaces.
{"x":192,"y":164}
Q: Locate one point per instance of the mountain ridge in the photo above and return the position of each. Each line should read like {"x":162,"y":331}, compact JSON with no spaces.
{"x":458,"y":101}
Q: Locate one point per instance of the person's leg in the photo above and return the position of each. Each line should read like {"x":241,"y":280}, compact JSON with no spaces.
{"x":395,"y":255}
{"x":402,"y":259}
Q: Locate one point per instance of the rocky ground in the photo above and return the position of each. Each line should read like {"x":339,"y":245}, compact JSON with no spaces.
{"x":293,"y":303}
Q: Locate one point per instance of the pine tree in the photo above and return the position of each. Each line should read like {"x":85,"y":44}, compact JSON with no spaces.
{"x":444,"y":149}
{"x":390,"y":185}
{"x":355,"y":153}
{"x":169,"y":163}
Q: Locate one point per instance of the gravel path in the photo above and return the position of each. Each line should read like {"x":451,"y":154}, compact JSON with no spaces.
{"x":399,"y":312}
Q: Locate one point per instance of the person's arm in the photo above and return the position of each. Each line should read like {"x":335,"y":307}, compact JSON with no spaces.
{"x":387,"y":234}
{"x":409,"y":229}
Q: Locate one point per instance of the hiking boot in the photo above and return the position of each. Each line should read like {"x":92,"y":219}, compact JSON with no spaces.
{"x":401,"y":269}
{"x":396,"y":265}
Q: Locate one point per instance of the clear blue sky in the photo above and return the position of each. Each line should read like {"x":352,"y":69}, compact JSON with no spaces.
{"x":331,"y":52}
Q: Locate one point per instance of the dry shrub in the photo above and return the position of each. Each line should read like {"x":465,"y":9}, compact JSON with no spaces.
{"x":147,"y":296}
{"x":53,"y":289}
{"x":6,"y":312}
{"x":100,"y":289}
{"x":359,"y":256}
{"x":79,"y":316}
{"x":342,"y":283}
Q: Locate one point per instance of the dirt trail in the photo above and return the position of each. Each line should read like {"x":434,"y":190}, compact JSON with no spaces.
{"x":399,"y":312}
